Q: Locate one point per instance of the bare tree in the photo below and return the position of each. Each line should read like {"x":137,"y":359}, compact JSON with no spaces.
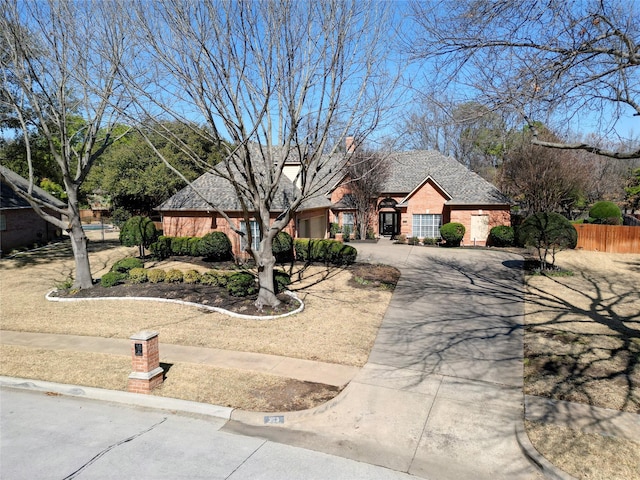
{"x":59,"y":69}
{"x":556,"y":59}
{"x":366,"y":174}
{"x":275,"y":80}
{"x":543,"y":180}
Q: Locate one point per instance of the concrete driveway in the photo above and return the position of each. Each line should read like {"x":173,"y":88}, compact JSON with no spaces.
{"x":441,"y":394}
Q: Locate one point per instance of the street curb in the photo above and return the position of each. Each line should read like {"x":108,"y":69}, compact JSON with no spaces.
{"x":548,"y":469}
{"x":136,"y":399}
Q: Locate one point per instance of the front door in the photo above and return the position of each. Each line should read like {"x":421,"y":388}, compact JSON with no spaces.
{"x":388,"y":222}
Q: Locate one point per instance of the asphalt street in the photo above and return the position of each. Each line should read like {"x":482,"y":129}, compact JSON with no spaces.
{"x":49,"y":436}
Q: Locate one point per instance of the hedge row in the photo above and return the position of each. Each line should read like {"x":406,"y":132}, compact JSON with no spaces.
{"x":214,"y":246}
{"x":239,"y":284}
{"x":324,"y":251}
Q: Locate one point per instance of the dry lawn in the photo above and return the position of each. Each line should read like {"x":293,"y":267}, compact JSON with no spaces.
{"x":582,"y":344}
{"x":339,"y":325}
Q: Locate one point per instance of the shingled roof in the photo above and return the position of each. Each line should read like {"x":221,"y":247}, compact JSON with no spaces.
{"x":11,"y":200}
{"x":409,"y":170}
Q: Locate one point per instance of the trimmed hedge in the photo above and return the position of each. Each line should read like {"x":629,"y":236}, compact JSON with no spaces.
{"x":112,"y":278}
{"x":173,"y":276}
{"x":215,"y":246}
{"x":241,"y":284}
{"x":191,"y":276}
{"x":156,"y":275}
{"x":138,"y":275}
{"x":502,"y":236}
{"x":282,"y":247}
{"x":324,"y":251}
{"x":126,"y":264}
{"x":452,"y":233}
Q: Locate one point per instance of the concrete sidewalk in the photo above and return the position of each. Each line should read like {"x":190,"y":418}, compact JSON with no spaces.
{"x":304,"y":370}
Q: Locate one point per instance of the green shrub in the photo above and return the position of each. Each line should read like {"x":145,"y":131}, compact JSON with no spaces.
{"x":161,"y":248}
{"x":126,"y":264}
{"x":413,"y":241}
{"x":215,"y":246}
{"x":241,"y":284}
{"x":341,"y":254}
{"x":605,"y":213}
{"x":179,"y":245}
{"x":119,"y":216}
{"x":138,"y":275}
{"x":112,"y":278}
{"x":173,"y":276}
{"x":191,"y":276}
{"x":320,"y":250}
{"x":138,"y":231}
{"x":156,"y":275}
{"x":548,"y":233}
{"x":281,"y":280}
{"x":429,"y":241}
{"x":282,"y":247}
{"x":452,"y":233}
{"x":501,"y":236}
{"x":302,"y":249}
{"x":346,"y":232}
{"x":193,"y":245}
{"x":212,"y":277}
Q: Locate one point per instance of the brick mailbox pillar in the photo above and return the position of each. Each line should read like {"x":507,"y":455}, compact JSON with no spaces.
{"x":145,"y":359}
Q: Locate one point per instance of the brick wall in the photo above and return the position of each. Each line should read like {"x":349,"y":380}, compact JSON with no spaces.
{"x":24,"y":227}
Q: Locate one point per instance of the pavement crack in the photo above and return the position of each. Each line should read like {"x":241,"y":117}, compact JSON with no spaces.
{"x":111,"y":447}
{"x":424,"y":427}
{"x":246,"y":460}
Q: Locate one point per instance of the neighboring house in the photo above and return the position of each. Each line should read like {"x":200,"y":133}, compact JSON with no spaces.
{"x":423,"y":191}
{"x":20,"y":225}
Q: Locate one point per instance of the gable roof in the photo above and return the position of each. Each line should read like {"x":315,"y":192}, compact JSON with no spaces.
{"x":9,"y":199}
{"x":409,"y":170}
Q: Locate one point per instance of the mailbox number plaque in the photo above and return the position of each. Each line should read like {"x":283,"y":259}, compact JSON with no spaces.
{"x":138,"y":349}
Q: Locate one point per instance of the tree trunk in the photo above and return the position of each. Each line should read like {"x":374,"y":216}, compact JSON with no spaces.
{"x":83,"y":277}
{"x":265,"y":262}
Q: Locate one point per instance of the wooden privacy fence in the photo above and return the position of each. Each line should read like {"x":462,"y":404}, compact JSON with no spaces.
{"x":608,"y":238}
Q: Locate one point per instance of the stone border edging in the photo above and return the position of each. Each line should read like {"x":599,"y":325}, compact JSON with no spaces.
{"x":548,"y":469}
{"x":189,"y":304}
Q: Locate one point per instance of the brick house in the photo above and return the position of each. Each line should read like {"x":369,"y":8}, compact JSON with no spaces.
{"x":20,"y":225}
{"x":424,"y":190}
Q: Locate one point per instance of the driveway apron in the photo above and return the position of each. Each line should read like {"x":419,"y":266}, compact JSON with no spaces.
{"x":441,"y":394}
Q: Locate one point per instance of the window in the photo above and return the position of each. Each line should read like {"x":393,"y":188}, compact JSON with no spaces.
{"x":348,"y":221}
{"x":426,"y":226}
{"x":255,"y":233}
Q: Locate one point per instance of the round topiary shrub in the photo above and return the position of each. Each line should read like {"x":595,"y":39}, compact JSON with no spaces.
{"x":156,"y":275}
{"x":191,"y":276}
{"x":501,"y":236}
{"x":126,"y":264}
{"x":215,"y":246}
{"x":282,"y":247}
{"x":173,"y":276}
{"x":138,"y":275}
{"x":452,"y":233}
{"x":138,"y":231}
{"x":605,"y":213}
{"x":241,"y":284}
{"x":548,"y":232}
{"x":112,"y":278}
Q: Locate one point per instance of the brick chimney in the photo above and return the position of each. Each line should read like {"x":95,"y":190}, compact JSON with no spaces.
{"x":350,"y":144}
